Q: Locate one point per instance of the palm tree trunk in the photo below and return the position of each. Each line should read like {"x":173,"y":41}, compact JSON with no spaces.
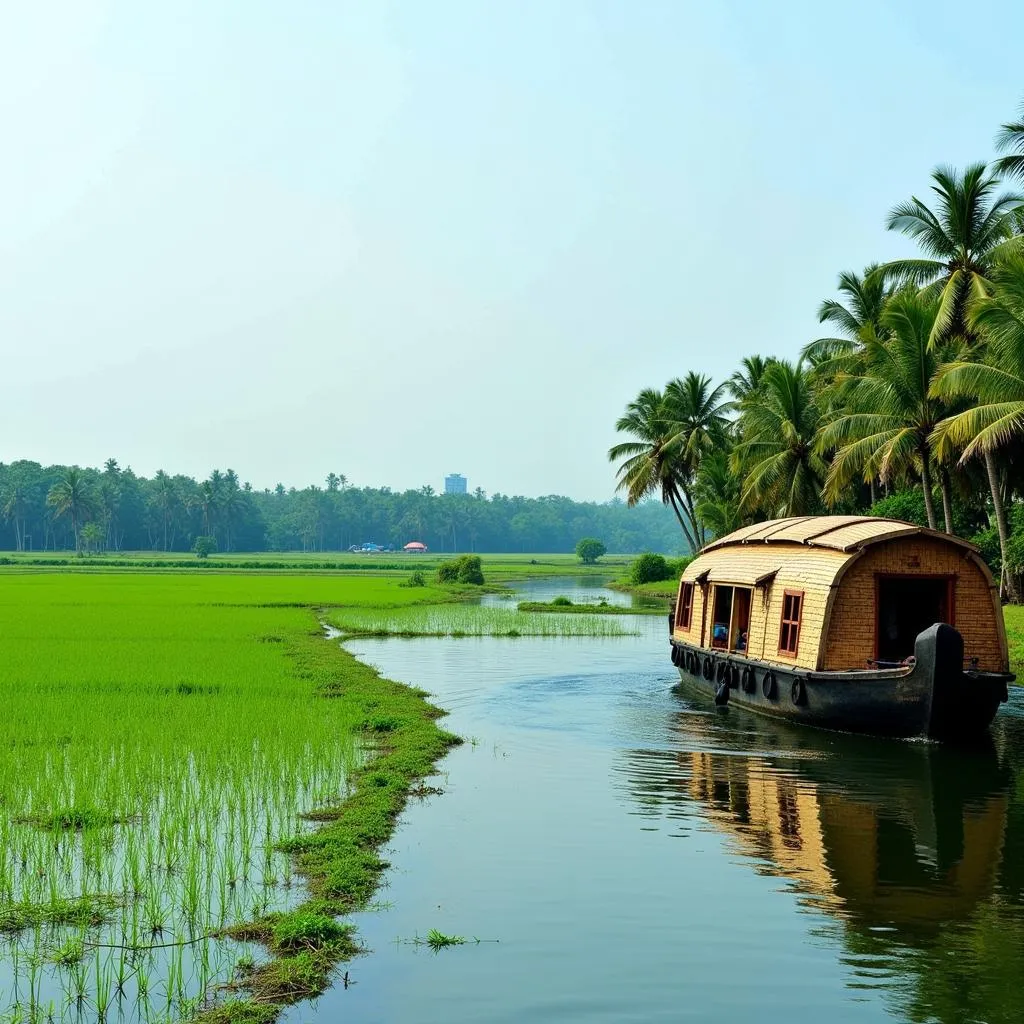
{"x":926,"y":486}
{"x":874,"y":497}
{"x":1005,"y":579}
{"x":682,"y":522}
{"x":947,"y":500}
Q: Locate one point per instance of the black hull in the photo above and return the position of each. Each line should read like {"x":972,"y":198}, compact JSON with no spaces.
{"x":934,"y":697}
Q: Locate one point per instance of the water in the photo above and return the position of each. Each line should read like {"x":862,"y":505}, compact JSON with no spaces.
{"x":627,"y":853}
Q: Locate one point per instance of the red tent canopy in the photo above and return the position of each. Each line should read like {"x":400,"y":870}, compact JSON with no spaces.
{"x":415,"y":545}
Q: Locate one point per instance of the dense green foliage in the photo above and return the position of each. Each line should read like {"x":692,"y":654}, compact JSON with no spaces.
{"x":649,"y":568}
{"x":916,"y":398}
{"x":46,"y":508}
{"x":589,"y":550}
{"x":464,"y":569}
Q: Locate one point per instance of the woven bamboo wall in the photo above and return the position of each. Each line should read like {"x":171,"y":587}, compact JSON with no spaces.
{"x":847,"y":579}
{"x":976,"y":613}
{"x":808,"y":571}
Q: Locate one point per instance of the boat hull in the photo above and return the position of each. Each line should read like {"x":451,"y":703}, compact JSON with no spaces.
{"x":933,"y":697}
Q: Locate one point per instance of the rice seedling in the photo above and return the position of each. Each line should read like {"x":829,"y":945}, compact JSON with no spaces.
{"x":460,"y":620}
{"x":156,"y":753}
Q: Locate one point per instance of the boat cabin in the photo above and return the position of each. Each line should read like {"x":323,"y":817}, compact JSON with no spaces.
{"x":835,"y":593}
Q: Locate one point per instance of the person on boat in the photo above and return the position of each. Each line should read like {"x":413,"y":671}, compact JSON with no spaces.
{"x":741,"y":644}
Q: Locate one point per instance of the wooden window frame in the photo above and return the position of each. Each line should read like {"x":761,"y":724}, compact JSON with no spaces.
{"x":798,"y":622}
{"x":684,"y":617}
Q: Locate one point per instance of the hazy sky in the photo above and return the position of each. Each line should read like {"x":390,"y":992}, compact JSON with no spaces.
{"x":397,"y":240}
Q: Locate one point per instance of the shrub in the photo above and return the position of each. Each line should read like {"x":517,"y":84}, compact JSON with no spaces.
{"x":470,"y":570}
{"x":677,"y":566}
{"x":448,"y":572}
{"x":464,"y":569}
{"x":417,"y":579}
{"x":589,"y":550}
{"x":562,"y":602}
{"x":204,"y":546}
{"x":649,"y":568}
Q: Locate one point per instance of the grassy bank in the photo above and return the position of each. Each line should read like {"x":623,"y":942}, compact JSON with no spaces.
{"x":1013,"y":616}
{"x":163,"y":736}
{"x":662,"y":590}
{"x":497,"y":567}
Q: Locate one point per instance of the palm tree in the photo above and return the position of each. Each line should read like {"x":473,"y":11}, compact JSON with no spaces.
{"x":996,"y":383}
{"x":717,"y":494}
{"x":775,"y":455}
{"x":166,"y":498}
{"x":205,"y":499}
{"x":1010,"y":140}
{"x":232,"y":504}
{"x":15,"y":505}
{"x":747,"y":379}
{"x":857,"y":316}
{"x":652,"y":462}
{"x":889,"y":410}
{"x":970,"y":227}
{"x":697,"y":414}
{"x":72,"y":496}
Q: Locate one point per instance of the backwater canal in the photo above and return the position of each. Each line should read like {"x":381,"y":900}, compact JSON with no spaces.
{"x":638,"y":855}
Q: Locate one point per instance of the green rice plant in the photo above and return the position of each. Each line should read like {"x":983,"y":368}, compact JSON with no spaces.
{"x":468,"y":621}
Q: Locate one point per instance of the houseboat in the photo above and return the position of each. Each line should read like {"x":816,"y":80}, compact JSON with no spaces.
{"x":845,"y":622}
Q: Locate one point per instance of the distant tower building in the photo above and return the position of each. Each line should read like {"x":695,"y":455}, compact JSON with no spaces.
{"x":455,"y":483}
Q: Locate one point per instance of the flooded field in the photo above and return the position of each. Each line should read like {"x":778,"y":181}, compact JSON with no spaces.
{"x":626,"y":852}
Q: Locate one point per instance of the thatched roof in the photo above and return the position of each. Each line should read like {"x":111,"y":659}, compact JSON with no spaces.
{"x":840,"y":533}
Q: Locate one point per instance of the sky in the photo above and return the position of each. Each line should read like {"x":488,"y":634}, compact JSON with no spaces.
{"x":400,"y":240}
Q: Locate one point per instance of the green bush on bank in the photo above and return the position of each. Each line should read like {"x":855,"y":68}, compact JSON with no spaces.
{"x":652,"y":568}
{"x":465,"y":569}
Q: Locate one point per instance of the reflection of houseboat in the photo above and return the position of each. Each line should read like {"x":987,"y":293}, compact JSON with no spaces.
{"x":904,"y":835}
{"x":845,"y":622}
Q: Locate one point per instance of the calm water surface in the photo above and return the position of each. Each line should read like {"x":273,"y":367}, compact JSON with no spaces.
{"x":638,"y":855}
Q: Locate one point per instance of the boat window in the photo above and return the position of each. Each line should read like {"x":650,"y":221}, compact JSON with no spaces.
{"x":731,"y":620}
{"x":739,"y":632}
{"x":685,"y":607}
{"x":906,"y":606}
{"x":792,"y":610}
{"x":721,"y":618}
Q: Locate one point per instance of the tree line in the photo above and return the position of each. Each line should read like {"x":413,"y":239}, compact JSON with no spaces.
{"x":114,"y":509}
{"x":913,"y":405}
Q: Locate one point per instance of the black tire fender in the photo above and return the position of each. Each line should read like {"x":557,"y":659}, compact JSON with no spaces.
{"x":768,"y":687}
{"x":747,"y":681}
{"x":709,"y":667}
{"x":734,"y":677}
{"x":798,"y":692}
